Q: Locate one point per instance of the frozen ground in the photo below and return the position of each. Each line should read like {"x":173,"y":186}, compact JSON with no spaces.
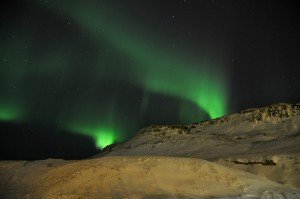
{"x":253,"y":154}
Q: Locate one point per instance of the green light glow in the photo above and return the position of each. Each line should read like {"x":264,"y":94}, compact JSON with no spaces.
{"x":77,"y":79}
{"x":154,"y":67}
{"x":9,"y":113}
{"x":102,"y":136}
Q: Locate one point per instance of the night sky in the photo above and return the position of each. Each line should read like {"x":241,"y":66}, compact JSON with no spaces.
{"x":76,"y":76}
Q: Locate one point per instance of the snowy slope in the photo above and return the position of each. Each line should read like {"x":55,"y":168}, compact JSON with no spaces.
{"x":264,"y":141}
{"x":134,"y":177}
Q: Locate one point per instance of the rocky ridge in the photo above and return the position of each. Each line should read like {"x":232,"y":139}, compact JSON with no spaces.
{"x":255,"y":140}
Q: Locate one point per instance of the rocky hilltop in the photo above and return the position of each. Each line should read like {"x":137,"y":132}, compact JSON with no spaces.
{"x":251,"y":154}
{"x":263,"y":141}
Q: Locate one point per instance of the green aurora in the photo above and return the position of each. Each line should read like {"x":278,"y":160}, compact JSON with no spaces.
{"x":155,"y":68}
{"x":9,"y":113}
{"x":103,"y":136}
{"x":141,"y":58}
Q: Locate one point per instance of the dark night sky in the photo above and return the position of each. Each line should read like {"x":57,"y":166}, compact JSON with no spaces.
{"x":77,"y":75}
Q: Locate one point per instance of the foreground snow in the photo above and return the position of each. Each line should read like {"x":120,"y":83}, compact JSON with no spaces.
{"x":134,"y":177}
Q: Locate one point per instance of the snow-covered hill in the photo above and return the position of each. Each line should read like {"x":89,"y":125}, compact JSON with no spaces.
{"x":252,"y":154}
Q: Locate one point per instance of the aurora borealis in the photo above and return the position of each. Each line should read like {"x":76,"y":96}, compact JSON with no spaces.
{"x":105,"y":69}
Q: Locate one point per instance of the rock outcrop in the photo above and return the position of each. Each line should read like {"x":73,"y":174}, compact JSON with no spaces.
{"x":264,"y":141}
